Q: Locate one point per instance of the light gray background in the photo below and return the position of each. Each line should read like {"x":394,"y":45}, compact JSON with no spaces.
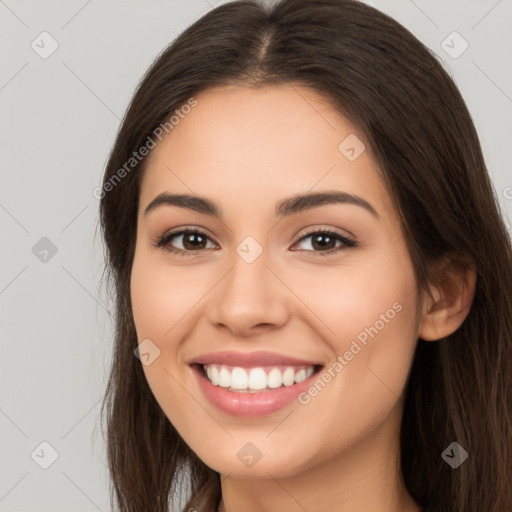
{"x":59,"y":117}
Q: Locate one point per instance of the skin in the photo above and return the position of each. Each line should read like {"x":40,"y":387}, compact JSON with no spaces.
{"x":246,"y":149}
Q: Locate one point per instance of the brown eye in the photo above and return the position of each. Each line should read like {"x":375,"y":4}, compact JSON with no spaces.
{"x":324,"y":242}
{"x":191,"y":240}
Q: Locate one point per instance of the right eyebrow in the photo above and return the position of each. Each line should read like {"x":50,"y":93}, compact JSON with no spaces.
{"x":195,"y":203}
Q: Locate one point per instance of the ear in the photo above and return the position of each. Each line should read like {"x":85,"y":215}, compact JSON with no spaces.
{"x":453,"y":295}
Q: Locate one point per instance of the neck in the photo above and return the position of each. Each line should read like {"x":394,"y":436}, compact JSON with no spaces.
{"x":366,"y":476}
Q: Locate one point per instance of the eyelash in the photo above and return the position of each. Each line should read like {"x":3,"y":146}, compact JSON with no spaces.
{"x":162,"y":242}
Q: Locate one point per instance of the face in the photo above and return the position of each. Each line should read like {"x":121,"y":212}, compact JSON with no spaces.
{"x":310,"y":303}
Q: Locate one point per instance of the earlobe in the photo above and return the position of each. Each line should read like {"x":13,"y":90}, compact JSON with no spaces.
{"x":453,"y":296}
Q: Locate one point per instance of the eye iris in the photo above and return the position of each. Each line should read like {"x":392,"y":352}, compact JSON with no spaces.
{"x":196,"y":237}
{"x":323,"y":244}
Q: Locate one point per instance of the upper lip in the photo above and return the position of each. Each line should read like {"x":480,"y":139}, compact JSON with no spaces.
{"x":250,"y":359}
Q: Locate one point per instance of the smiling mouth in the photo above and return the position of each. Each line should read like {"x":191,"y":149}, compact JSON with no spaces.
{"x":256,"y":379}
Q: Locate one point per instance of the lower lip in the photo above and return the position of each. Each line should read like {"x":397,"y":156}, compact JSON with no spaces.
{"x":250,"y":405}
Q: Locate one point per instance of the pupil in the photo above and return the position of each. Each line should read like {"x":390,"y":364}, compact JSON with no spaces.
{"x":326,"y":238}
{"x":192,"y":236}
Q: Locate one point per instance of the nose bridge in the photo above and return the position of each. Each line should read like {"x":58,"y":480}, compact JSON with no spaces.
{"x":249,"y":294}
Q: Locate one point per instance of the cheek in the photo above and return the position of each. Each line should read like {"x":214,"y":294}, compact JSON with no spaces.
{"x":349,"y":300}
{"x":374,"y":318}
{"x":162,"y":295}
{"x":161,"y":299}
{"x":370,"y":312}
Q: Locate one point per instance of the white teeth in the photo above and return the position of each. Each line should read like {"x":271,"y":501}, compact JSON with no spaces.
{"x":239,"y":378}
{"x":300,"y":376}
{"x":256,"y":379}
{"x":289,"y":377}
{"x":214,"y":375}
{"x":274,"y":378}
{"x":224,"y":377}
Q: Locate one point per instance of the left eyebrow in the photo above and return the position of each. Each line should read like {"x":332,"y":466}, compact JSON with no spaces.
{"x":285,"y":207}
{"x":303,"y":202}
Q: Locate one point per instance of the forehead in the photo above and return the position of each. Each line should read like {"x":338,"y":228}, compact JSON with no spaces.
{"x":242,"y":146}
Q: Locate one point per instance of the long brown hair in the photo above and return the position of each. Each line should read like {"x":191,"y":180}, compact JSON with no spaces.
{"x":379,"y":76}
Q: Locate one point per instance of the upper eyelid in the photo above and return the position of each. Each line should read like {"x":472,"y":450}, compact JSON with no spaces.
{"x":314,"y":230}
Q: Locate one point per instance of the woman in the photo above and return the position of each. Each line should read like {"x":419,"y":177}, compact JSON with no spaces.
{"x":375,"y":377}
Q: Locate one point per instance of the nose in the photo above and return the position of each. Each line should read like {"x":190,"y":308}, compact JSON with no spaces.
{"x":249,"y":299}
